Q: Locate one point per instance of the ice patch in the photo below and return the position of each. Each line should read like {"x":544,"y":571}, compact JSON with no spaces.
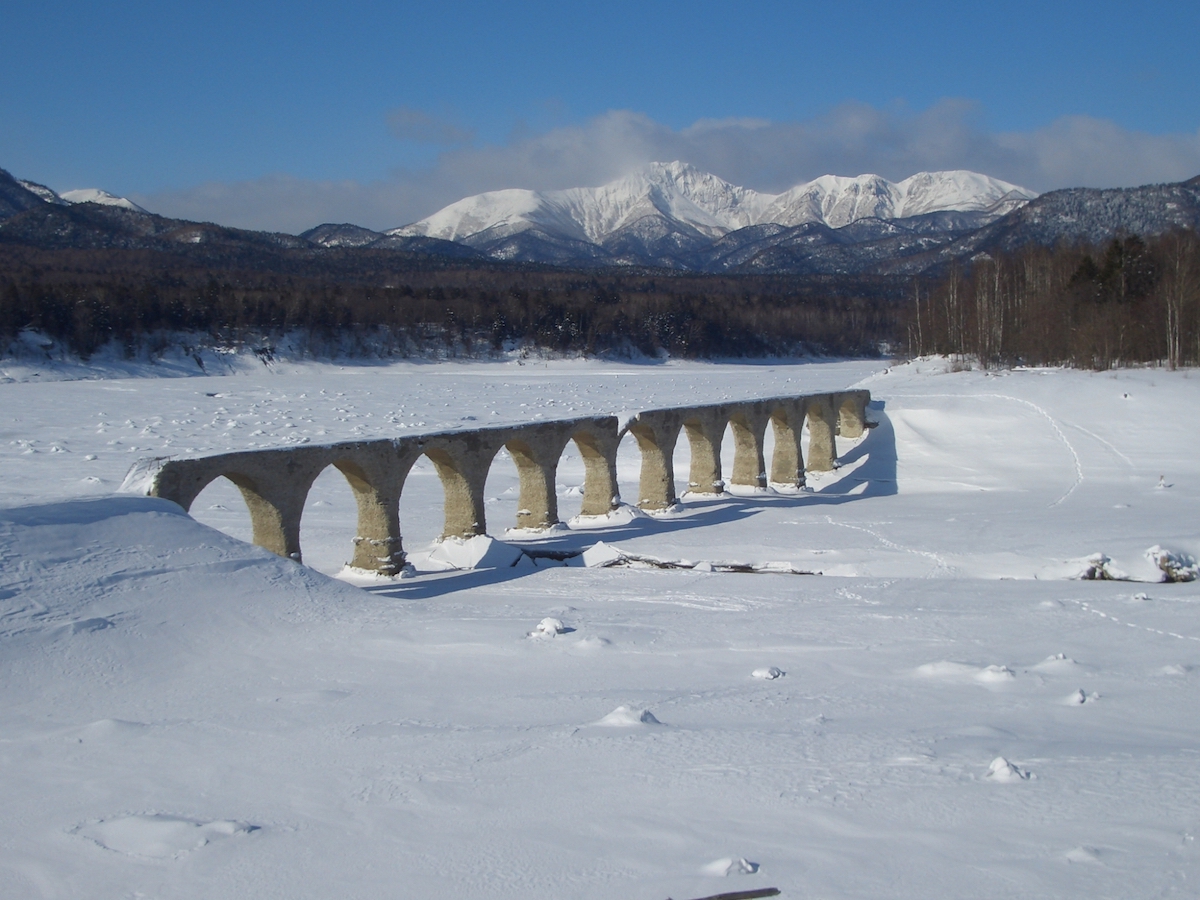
{"x":479,"y":552}
{"x":770,"y":673}
{"x":159,"y":836}
{"x":628,"y":717}
{"x":727,"y":865}
{"x":1004,"y":772}
{"x":600,"y":555}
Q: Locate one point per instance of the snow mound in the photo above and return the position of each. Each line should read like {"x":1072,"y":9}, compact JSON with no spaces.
{"x":1059,"y":662}
{"x":621,"y":515}
{"x":479,"y":552}
{"x":627,"y":717}
{"x":105,"y":730}
{"x":548,"y":628}
{"x":1175,"y":566}
{"x":1081,"y":855}
{"x":1004,"y":772}
{"x":727,"y":865}
{"x":1173,"y":670}
{"x":159,"y":836}
{"x":770,"y":673}
{"x":953,"y":671}
{"x":995,"y":673}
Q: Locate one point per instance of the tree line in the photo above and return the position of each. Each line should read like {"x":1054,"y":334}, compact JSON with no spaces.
{"x":86,"y":299}
{"x":1131,"y":301}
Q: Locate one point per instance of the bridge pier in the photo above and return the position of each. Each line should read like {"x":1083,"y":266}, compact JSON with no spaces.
{"x":749,"y":431}
{"x":787,"y":462}
{"x":537,"y":506}
{"x":376,"y":473}
{"x":598,"y":446}
{"x":822,"y":424}
{"x":656,"y":436}
{"x":705,"y":431}
{"x":852,"y":413}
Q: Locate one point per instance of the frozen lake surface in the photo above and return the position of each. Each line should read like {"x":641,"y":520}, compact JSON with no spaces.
{"x":945,"y":711}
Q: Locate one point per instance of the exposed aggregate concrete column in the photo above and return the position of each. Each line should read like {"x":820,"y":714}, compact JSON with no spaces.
{"x":597,"y":441}
{"x":656,"y":436}
{"x":705,"y":429}
{"x":376,"y":472}
{"x":822,"y":422}
{"x":749,"y":426}
{"x":852,"y":413}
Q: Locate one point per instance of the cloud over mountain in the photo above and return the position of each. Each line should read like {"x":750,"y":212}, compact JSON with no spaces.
{"x":767,"y":156}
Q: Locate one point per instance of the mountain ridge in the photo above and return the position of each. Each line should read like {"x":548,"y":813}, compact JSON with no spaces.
{"x":672,"y":218}
{"x":698,"y":202}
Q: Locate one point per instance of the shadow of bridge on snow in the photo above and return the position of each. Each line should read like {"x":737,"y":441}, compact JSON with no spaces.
{"x":874,"y":476}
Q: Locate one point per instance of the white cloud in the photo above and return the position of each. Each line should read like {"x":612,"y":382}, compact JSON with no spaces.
{"x":849,"y":140}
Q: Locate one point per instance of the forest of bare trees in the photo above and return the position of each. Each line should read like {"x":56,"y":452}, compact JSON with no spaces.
{"x":87,"y":299}
{"x":1129,"y":302}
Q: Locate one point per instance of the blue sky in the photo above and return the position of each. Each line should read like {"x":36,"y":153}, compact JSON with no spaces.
{"x":287,"y":114}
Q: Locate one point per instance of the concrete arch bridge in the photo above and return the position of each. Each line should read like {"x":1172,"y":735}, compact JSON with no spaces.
{"x":275,"y":482}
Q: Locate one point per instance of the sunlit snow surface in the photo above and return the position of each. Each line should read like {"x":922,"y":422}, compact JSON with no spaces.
{"x":185,"y":715}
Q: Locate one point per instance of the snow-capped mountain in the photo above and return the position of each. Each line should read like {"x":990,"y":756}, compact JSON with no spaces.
{"x":104,"y":198}
{"x":40,"y":190}
{"x":677,"y":199}
{"x":83,"y":195}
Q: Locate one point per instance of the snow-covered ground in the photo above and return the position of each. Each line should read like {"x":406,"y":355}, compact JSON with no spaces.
{"x":952,"y":714}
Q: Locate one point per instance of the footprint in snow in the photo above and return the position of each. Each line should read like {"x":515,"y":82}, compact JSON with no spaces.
{"x":159,"y":836}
